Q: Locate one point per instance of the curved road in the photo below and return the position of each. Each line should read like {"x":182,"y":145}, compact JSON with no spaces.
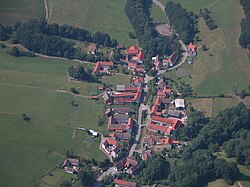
{"x":183,"y":46}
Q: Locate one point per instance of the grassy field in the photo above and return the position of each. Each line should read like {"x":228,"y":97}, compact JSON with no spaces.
{"x":20,"y":10}
{"x":95,"y":15}
{"x":158,"y":15}
{"x":31,"y":148}
{"x":228,"y":65}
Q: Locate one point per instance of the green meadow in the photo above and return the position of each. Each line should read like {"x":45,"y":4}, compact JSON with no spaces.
{"x":28,"y":85}
{"x":95,"y":15}
{"x":20,"y":10}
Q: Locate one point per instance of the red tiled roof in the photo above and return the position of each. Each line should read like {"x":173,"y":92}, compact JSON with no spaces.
{"x":132,"y":65}
{"x":123,"y":94}
{"x":172,"y":58}
{"x":133,"y":50}
{"x":164,"y":120}
{"x":138,"y":80}
{"x":124,"y":183}
{"x":191,"y":47}
{"x":123,"y":100}
{"x":155,"y":127}
{"x":107,"y":63}
{"x":111,"y":141}
{"x":140,"y":55}
{"x":168,"y":141}
{"x":130,"y":88}
{"x":130,"y":123}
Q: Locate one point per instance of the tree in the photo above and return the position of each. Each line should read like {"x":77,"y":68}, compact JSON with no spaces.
{"x":66,"y":184}
{"x":204,"y":47}
{"x":73,"y":90}
{"x":26,"y":117}
{"x":87,"y":176}
{"x":15,"y":52}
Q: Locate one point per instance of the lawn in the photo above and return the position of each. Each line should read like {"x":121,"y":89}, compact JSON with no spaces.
{"x":20,"y":10}
{"x":95,"y":15}
{"x":31,"y":148}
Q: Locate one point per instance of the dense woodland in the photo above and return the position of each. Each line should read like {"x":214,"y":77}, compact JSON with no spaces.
{"x":183,"y":22}
{"x":201,"y":164}
{"x":152,"y":43}
{"x":245,"y":25}
{"x":41,"y":37}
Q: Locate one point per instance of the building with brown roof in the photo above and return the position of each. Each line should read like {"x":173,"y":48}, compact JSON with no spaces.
{"x":103,"y":67}
{"x":123,"y":183}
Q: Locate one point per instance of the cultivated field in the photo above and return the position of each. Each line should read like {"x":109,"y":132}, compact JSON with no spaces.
{"x":95,"y":15}
{"x":28,"y":85}
{"x":20,"y":10}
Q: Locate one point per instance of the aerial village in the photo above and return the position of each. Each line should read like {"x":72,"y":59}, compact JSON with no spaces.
{"x":161,"y":118}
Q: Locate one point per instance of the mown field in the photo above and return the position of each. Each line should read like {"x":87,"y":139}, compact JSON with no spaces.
{"x":95,"y":15}
{"x":28,"y":85}
{"x":224,"y":68}
{"x":20,"y":10}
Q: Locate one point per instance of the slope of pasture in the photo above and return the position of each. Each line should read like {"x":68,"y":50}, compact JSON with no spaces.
{"x":95,"y":15}
{"x":27,"y":85}
{"x":20,"y":10}
{"x":225,"y":66}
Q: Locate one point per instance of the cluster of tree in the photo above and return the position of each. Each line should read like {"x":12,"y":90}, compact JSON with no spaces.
{"x":209,"y":21}
{"x":152,"y":43}
{"x":244,"y":39}
{"x":239,"y":147}
{"x":244,"y":93}
{"x":183,"y":22}
{"x":79,"y":73}
{"x":87,"y":176}
{"x":41,"y":37}
{"x":17,"y":53}
{"x":26,"y":117}
{"x":201,"y":167}
{"x":200,"y":164}
{"x":156,"y":168}
{"x":196,"y":120}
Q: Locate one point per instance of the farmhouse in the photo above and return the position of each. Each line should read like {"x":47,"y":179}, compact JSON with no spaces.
{"x":134,"y":54}
{"x":103,"y":67}
{"x":191,"y":50}
{"x":111,"y":147}
{"x":71,"y":165}
{"x":123,"y":183}
{"x":170,"y":62}
{"x":157,"y":63}
{"x":170,"y":143}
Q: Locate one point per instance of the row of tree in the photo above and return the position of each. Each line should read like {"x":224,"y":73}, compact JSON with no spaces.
{"x":183,"y":22}
{"x":209,"y":21}
{"x":244,"y":39}
{"x":201,"y":165}
{"x":152,"y":43}
{"x":41,"y":37}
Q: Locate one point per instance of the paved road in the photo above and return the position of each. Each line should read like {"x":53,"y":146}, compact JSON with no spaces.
{"x":139,"y":122}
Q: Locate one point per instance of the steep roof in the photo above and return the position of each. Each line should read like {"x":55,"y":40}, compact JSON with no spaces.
{"x":133,"y":50}
{"x":124,"y":183}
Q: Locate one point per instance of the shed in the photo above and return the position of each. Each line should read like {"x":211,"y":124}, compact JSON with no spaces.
{"x":179,"y":103}
{"x":120,"y":88}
